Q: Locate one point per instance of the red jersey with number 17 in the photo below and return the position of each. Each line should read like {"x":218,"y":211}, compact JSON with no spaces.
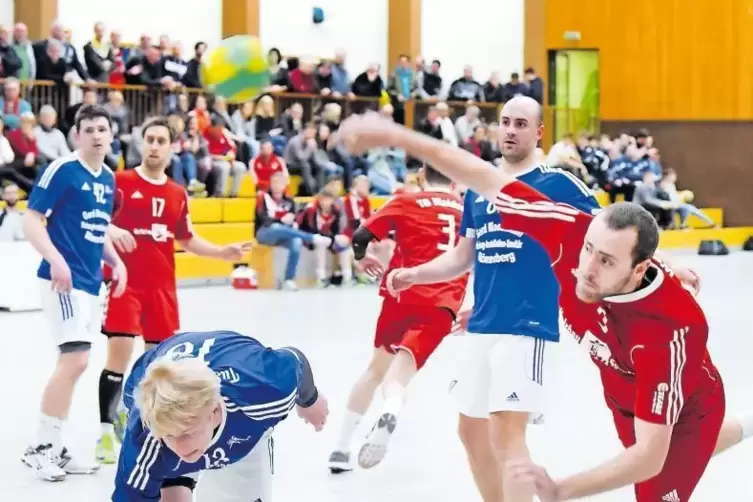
{"x":426,"y":225}
{"x":156,"y":214}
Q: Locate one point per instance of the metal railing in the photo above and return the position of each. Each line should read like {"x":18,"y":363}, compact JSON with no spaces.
{"x":143,"y":102}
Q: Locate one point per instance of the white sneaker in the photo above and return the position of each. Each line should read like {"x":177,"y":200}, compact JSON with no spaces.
{"x":72,"y":465}
{"x":322,"y":241}
{"x":289,"y":286}
{"x":44,"y":463}
{"x":339,"y":462}
{"x":375,"y":448}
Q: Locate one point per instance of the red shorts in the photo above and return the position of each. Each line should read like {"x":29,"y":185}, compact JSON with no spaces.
{"x":418,"y":329}
{"x":152,"y":314}
{"x":692,"y":445}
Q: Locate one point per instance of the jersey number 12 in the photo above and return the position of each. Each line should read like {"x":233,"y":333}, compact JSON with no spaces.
{"x":450,"y":229}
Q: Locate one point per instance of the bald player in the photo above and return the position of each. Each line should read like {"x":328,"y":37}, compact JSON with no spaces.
{"x":505,"y":360}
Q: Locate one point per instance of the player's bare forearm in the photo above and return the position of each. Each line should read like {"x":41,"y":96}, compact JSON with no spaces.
{"x":202,"y":247}
{"x":110,"y":254}
{"x":457,"y":164}
{"x":454,"y":263}
{"x":35,"y":232}
{"x":640,"y":462}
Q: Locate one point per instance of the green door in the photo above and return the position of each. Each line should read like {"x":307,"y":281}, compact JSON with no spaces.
{"x":574,"y":91}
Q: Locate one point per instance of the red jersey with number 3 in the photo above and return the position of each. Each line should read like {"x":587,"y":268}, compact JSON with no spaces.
{"x":426,"y":225}
{"x":156,"y":214}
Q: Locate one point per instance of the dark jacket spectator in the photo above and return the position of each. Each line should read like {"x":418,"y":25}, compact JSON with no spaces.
{"x":99,"y":59}
{"x":68,"y":54}
{"x":271,"y":210}
{"x":146,"y":70}
{"x":466,"y":88}
{"x":10,"y":63}
{"x":191,"y":77}
{"x":368,"y":84}
{"x":315,"y":219}
{"x":51,"y":65}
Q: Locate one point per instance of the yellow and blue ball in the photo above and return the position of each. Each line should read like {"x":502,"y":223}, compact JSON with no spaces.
{"x":237,"y":69}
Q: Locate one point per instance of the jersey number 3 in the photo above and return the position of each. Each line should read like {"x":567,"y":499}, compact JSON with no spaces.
{"x":450,"y":229}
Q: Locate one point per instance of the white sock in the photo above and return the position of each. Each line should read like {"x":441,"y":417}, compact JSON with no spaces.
{"x":393,"y":404}
{"x":107,"y":429}
{"x":746,"y":423}
{"x":349,"y":426}
{"x":50,"y":431}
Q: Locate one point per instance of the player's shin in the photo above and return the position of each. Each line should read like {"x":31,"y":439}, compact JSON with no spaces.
{"x":57,"y":396}
{"x":400,"y":373}
{"x":486,"y":470}
{"x":508,"y":436}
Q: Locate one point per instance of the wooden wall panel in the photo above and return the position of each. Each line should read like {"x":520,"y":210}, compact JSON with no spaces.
{"x":534,"y":36}
{"x":38,"y":16}
{"x":403,"y":30}
{"x":664,"y":60}
{"x":240,"y":17}
{"x":711,"y":158}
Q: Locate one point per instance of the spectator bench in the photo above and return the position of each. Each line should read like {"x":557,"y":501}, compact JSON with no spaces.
{"x":226,"y":221}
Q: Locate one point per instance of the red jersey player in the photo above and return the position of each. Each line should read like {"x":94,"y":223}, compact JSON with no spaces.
{"x":151,"y":214}
{"x":411,"y":326}
{"x":642,"y":328}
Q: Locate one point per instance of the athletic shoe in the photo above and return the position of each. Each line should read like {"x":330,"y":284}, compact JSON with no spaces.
{"x":375,"y":448}
{"x":44,"y":462}
{"x":339,"y":462}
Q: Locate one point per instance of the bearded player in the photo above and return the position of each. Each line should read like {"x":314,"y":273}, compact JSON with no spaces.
{"x":151,"y":214}
{"x":645,"y":332}
{"x":411,"y":326}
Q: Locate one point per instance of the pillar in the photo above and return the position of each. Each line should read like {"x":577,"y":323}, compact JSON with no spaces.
{"x":239,"y":17}
{"x":403,"y":30}
{"x":38,"y":15}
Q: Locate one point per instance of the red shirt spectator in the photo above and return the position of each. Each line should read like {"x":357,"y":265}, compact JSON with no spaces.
{"x":267,"y":164}
{"x":23,"y":142}
{"x":302,"y":79}
{"x":357,"y":205}
{"x":218,"y":143}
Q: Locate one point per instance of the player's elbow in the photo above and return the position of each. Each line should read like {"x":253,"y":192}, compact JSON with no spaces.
{"x":361,"y":239}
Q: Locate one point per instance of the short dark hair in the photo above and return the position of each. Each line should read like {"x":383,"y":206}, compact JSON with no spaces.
{"x":91,"y":112}
{"x":622,"y":215}
{"x":529,"y":70}
{"x":199,"y":44}
{"x":434,"y":177}
{"x":158,"y":121}
{"x":436,"y":62}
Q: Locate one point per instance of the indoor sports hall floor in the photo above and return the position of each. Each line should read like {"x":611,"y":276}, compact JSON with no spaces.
{"x":334,"y":328}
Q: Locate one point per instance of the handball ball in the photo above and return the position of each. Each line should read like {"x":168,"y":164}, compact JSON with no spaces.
{"x":687,"y":196}
{"x":236,"y":69}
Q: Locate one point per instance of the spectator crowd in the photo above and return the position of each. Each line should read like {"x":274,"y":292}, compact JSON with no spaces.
{"x":280,"y":134}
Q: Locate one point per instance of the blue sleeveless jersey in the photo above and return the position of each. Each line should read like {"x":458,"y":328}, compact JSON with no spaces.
{"x":515,"y":290}
{"x":77,"y":203}
{"x":259,"y":387}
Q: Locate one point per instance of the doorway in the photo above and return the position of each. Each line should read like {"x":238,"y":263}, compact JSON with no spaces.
{"x":574,"y":91}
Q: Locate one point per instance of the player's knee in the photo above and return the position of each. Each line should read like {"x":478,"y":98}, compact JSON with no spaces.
{"x":74,"y":359}
{"x":473,"y":432}
{"x":119,"y":351}
{"x":508,"y":431}
{"x":222,"y":167}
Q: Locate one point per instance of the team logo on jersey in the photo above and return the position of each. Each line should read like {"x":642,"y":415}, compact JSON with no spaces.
{"x":85,"y":187}
{"x":137,"y":195}
{"x":236,"y":440}
{"x":229,"y":375}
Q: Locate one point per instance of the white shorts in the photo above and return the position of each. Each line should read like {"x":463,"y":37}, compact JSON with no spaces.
{"x":74,"y":316}
{"x":248,"y":480}
{"x":501,"y":373}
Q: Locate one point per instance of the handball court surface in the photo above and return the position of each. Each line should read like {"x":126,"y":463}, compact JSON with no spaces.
{"x":426,"y":461}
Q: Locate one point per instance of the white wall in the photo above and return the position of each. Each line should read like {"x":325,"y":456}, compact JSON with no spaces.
{"x":357,"y":26}
{"x":6,"y":13}
{"x":485,"y":34}
{"x":186,"y":21}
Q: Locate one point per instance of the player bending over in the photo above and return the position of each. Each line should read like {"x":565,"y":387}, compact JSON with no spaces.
{"x":151,"y":213}
{"x":641,"y":327}
{"x":69,"y":211}
{"x":411,"y":326}
{"x":207,"y":402}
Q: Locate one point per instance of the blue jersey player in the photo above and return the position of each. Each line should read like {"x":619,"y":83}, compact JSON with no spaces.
{"x":69,"y":212}
{"x":208,"y":402}
{"x":502,"y":362}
